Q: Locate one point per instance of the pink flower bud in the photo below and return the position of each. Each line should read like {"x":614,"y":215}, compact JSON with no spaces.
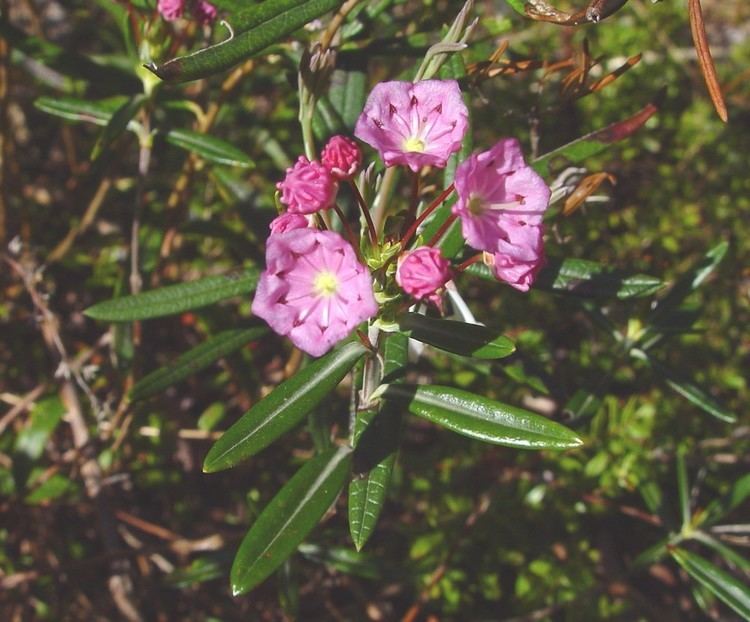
{"x":288,"y":222}
{"x":307,"y":188}
{"x":422,"y":272}
{"x":342,"y":157}
{"x":204,"y":12}
{"x":171,"y":10}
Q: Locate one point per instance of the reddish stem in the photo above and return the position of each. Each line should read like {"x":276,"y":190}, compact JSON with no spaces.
{"x":425,"y":213}
{"x":349,"y":233}
{"x":443,"y":228}
{"x":366,"y":212}
{"x":471,"y":260}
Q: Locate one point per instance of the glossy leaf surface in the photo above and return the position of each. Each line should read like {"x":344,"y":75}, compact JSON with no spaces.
{"x":283,"y":408}
{"x":457,"y":337}
{"x":289,"y":517}
{"x":483,"y":419}
{"x":724,"y":586}
{"x":376,"y":439}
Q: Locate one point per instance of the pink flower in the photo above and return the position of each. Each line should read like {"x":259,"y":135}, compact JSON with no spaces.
{"x":313,"y":289}
{"x":171,"y":10}
{"x":288,"y":222}
{"x":204,"y":12}
{"x":342,"y":157}
{"x":496,"y":189}
{"x":414,"y":124}
{"x":422,"y":272}
{"x":307,"y":187}
{"x":519,"y":256}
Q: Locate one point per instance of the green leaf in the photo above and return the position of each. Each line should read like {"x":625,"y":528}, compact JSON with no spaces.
{"x":729,"y":555}
{"x":53,"y":488}
{"x":581,"y":277}
{"x":376,"y":440}
{"x":254,"y":30}
{"x":289,"y":517}
{"x":283,"y":408}
{"x":682,"y":488}
{"x":347,"y":95}
{"x":349,"y":562}
{"x":687,"y":388}
{"x":117,"y":124}
{"x":174,"y":298}
{"x":457,"y":337}
{"x":582,"y":148}
{"x":45,"y":416}
{"x":194,"y":360}
{"x":689,"y":282}
{"x":724,"y":586}
{"x":518,"y":6}
{"x":719,"y":508}
{"x":96,"y":112}
{"x":483,"y":419}
{"x":209,"y":148}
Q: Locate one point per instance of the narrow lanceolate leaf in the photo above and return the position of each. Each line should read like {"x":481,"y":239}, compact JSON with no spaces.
{"x":376,"y":439}
{"x":483,"y":419}
{"x":724,"y":586}
{"x":174,"y":298}
{"x":581,"y":277}
{"x":457,"y":337}
{"x":283,"y":408}
{"x":719,"y":508}
{"x":687,"y":388}
{"x":595,"y":142}
{"x":253,"y":31}
{"x":289,"y":517}
{"x":518,"y":6}
{"x":194,"y":360}
{"x":72,"y":109}
{"x":118,"y":123}
{"x":690,"y":281}
{"x":209,"y":148}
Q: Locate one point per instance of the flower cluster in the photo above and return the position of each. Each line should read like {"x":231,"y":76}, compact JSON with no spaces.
{"x":317,"y":286}
{"x":204,"y":12}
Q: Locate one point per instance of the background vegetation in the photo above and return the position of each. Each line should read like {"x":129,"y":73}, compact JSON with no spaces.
{"x":105,"y":512}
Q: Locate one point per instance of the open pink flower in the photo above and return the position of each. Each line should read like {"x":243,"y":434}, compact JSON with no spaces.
{"x":171,"y":10}
{"x":414,"y":124}
{"x":308,"y":187}
{"x":495,"y":190}
{"x":313,"y":289}
{"x":288,"y":222}
{"x":422,"y":273}
{"x":341,"y":156}
{"x":519,"y":256}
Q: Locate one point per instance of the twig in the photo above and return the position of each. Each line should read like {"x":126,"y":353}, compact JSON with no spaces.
{"x":24,"y":403}
{"x":120,"y":586}
{"x":698,"y":30}
{"x":336,"y":21}
{"x":89,"y":215}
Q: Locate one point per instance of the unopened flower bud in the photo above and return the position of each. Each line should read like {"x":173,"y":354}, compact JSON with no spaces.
{"x":342,"y":157}
{"x":422,"y":273}
{"x":308,"y":187}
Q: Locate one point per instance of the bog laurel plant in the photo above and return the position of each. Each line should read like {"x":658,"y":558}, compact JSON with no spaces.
{"x":376,"y":233}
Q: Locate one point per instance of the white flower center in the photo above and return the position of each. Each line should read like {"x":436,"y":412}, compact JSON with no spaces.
{"x":325,"y":284}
